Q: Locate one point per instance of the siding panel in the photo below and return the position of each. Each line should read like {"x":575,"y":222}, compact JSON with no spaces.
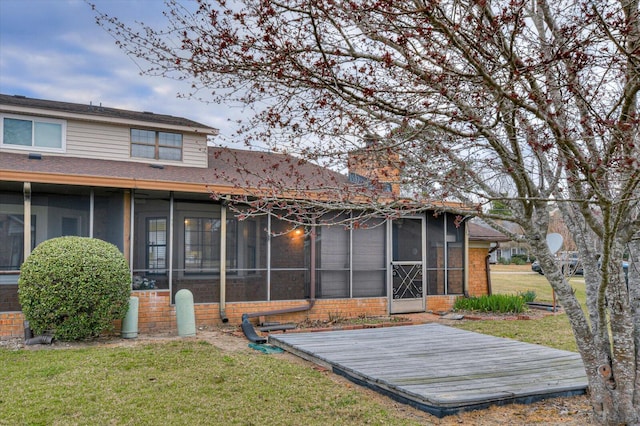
{"x":112,"y":142}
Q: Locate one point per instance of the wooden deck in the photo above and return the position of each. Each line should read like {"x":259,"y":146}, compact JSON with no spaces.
{"x":440,"y":369}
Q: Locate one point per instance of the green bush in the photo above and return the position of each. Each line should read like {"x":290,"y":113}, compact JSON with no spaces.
{"x":500,"y":303}
{"x":519,"y":259}
{"x":528,"y":296}
{"x":74,"y":286}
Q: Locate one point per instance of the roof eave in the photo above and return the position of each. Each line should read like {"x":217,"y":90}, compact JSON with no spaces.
{"x":16,"y":109}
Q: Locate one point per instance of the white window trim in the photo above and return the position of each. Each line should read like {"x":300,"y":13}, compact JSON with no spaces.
{"x":32,"y":147}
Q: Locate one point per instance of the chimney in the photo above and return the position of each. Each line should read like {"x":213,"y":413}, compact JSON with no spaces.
{"x":375,"y":164}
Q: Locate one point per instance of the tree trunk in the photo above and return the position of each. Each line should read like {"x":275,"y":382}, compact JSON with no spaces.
{"x":609,"y":351}
{"x":610,"y":361}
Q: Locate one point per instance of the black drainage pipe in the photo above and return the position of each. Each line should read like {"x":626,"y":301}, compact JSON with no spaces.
{"x":250,"y":332}
{"x":28,"y":334}
{"x":43,"y":339}
{"x":29,"y":339}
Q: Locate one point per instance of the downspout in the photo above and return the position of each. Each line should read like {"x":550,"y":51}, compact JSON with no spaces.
{"x":466,"y":260}
{"x":312,"y":266}
{"x":312,"y":287}
{"x":247,"y":328}
{"x":487,"y":267}
{"x":223,"y":263}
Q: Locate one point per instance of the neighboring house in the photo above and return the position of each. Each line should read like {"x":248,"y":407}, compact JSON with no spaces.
{"x":508,"y":248}
{"x":143,"y":182}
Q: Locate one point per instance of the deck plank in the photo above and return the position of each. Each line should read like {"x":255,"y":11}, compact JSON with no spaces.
{"x":440,"y":369}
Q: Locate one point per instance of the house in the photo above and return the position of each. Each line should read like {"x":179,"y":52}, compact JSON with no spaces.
{"x":499,"y":243}
{"x":510,"y":248}
{"x":144,"y":182}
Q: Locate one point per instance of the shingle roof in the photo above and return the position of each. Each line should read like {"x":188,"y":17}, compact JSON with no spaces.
{"x":230,"y":168}
{"x":99,"y":111}
{"x":478,"y":232}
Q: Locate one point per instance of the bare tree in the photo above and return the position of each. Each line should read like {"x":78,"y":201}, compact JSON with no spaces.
{"x":531,"y":103}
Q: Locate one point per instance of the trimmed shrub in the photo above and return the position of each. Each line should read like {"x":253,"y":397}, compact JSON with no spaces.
{"x":75,"y":287}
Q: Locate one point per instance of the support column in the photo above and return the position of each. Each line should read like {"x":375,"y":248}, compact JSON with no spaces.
{"x":91,"y":211}
{"x":127,"y":226}
{"x":132,"y":215}
{"x":171,"y":219}
{"x":223,"y":262}
{"x":269,"y":257}
{"x":27,"y":220}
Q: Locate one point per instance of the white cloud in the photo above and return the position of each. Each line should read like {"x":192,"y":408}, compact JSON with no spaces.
{"x":66,"y":56}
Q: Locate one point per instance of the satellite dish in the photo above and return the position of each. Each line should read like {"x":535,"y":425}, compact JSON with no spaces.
{"x":554,"y":242}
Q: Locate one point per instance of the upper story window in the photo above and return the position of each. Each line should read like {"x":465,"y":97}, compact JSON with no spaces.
{"x":156,"y":145}
{"x":28,"y":133}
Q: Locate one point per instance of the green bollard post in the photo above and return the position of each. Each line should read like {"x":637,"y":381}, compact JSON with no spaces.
{"x":130,"y":321}
{"x":185,"y":314}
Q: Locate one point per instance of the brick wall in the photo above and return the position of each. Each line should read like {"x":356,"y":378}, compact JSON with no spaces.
{"x":155,"y":314}
{"x":11,"y":324}
{"x":322,"y":309}
{"x":477,"y":272}
{"x":440,"y":303}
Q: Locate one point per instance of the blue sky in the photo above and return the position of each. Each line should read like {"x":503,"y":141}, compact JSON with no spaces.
{"x":53,"y":49}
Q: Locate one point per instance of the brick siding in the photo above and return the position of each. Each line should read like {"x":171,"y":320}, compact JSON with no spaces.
{"x":477,"y":272}
{"x":11,"y":324}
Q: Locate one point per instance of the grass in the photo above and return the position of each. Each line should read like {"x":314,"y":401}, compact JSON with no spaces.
{"x":192,"y":382}
{"x":515,"y":282}
{"x":503,"y":303}
{"x":553,"y":331}
{"x":181,"y":383}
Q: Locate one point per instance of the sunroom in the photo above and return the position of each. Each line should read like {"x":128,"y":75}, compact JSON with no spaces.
{"x":177,"y":240}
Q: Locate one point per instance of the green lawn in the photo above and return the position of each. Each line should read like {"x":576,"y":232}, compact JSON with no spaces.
{"x":553,"y":331}
{"x":503,"y":282}
{"x":176,"y":383}
{"x":192,"y":382}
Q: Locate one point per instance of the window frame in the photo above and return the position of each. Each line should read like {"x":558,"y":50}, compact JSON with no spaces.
{"x":214,"y":245}
{"x":34,"y":120}
{"x":155,"y":245}
{"x":157,"y":146}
